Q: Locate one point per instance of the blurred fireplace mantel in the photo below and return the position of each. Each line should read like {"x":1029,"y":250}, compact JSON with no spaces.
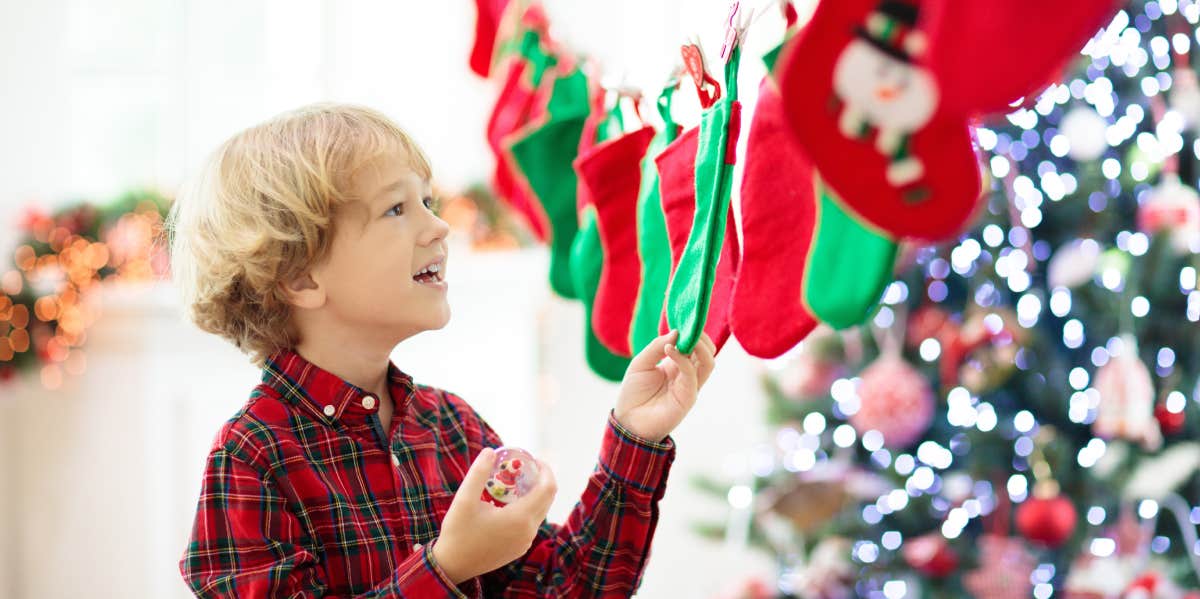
{"x":94,"y":470}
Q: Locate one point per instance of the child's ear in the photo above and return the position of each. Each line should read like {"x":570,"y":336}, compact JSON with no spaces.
{"x":304,"y":292}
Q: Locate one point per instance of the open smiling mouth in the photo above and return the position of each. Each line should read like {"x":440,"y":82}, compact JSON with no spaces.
{"x":433,"y":275}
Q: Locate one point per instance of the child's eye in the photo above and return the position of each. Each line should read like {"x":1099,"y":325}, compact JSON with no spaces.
{"x":432,"y":204}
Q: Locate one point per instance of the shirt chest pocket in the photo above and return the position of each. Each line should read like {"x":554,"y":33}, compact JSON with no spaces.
{"x":421,"y":513}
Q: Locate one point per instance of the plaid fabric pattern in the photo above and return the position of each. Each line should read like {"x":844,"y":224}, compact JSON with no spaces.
{"x":306,"y":494}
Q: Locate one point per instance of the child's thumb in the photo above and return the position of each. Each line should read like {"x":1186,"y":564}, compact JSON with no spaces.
{"x":478,"y":474}
{"x":654,"y":352}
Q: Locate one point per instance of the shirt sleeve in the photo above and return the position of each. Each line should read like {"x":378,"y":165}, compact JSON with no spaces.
{"x":246,"y":543}
{"x":602,"y":548}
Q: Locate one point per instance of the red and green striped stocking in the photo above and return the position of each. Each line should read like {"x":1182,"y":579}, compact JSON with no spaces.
{"x":544,"y":155}
{"x":587,"y":259}
{"x":522,"y":100}
{"x":612,"y":172}
{"x":654,"y":245}
{"x":805,"y":257}
{"x":700,"y":288}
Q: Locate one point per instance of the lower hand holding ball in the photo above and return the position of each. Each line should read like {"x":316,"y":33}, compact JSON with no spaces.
{"x":478,"y":536}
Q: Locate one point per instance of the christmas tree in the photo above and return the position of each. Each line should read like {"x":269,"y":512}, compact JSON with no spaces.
{"x":1019,"y":417}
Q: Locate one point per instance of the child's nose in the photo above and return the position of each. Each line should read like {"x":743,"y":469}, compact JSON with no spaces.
{"x":437,"y":230}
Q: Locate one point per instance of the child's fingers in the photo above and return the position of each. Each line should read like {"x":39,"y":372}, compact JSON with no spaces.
{"x":650,"y":355}
{"x":477,"y":476}
{"x":686,"y":368}
{"x":537,"y":502}
{"x":705,"y":360}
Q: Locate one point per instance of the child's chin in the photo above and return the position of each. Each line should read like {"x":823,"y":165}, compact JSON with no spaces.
{"x":442,"y":321}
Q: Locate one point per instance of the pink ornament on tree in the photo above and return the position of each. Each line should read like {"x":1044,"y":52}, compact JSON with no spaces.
{"x":1005,"y":566}
{"x":931,"y":555}
{"x":895,"y":400}
{"x":1126,"y":409}
{"x":1173,"y":208}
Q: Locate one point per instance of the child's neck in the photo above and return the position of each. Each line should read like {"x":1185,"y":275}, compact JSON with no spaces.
{"x":364,"y":369}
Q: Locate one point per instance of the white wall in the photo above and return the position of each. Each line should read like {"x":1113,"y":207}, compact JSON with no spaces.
{"x":97,"y":97}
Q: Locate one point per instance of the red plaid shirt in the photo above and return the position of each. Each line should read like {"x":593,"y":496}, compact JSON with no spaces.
{"x":305,"y":495}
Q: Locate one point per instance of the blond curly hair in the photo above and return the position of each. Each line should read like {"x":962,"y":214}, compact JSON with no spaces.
{"x":261,"y":212}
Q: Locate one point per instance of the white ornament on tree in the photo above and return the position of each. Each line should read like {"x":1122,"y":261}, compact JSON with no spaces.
{"x":1074,"y":264}
{"x":1184,"y":97}
{"x":1126,"y":409}
{"x":1084,"y":129}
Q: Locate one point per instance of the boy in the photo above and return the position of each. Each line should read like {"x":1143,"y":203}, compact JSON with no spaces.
{"x":310,"y":243}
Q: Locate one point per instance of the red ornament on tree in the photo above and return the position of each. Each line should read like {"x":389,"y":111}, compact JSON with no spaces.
{"x":931,"y":555}
{"x":1170,"y":422}
{"x":1047,"y":518}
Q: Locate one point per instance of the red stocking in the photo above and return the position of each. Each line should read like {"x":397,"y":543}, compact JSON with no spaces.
{"x":487,"y":22}
{"x":612,"y":174}
{"x":767,"y":314}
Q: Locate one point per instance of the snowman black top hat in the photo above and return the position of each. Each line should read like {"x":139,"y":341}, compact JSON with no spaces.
{"x":891,"y":28}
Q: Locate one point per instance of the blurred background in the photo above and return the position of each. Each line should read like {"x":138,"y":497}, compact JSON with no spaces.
{"x":1016,"y":416}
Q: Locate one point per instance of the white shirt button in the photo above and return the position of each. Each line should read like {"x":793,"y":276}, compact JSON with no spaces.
{"x":416,"y":546}
{"x":368,"y":402}
{"x":330,"y":411}
{"x":395,"y":459}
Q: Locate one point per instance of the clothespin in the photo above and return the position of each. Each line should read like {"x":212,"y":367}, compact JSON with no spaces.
{"x":623,"y":91}
{"x":735,"y":30}
{"x":708,"y":88}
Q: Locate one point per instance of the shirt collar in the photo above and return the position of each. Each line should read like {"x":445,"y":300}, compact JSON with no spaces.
{"x":325,"y":395}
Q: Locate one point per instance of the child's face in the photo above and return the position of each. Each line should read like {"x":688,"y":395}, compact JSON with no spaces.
{"x":381,"y":241}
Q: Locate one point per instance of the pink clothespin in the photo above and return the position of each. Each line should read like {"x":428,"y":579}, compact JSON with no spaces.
{"x":734,"y":29}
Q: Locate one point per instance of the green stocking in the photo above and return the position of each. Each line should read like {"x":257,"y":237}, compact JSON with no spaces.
{"x":690,"y":292}
{"x":848,"y":266}
{"x":654,"y":246}
{"x":544,"y":158}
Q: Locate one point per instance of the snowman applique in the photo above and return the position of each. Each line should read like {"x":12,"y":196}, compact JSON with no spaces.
{"x":878,"y":89}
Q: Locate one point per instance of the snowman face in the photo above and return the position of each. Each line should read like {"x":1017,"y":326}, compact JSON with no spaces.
{"x":500,"y":492}
{"x":892,"y":94}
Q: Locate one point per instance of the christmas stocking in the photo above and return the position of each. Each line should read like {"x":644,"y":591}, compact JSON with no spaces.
{"x":612,"y":173}
{"x":700,"y":289}
{"x":849,"y":264}
{"x":543,"y":155}
{"x":521,"y":101}
{"x":990,"y":53}
{"x":768,"y":315}
{"x":866,"y":110}
{"x":804,"y":258}
{"x":487,"y":22}
{"x":654,"y":246}
{"x":587,"y":260}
